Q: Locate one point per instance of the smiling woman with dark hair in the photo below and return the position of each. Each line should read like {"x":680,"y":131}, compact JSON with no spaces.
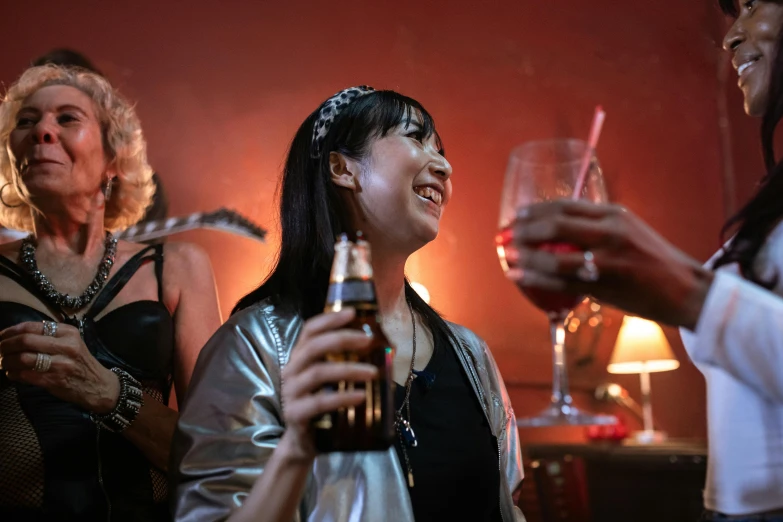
{"x":244,"y":448}
{"x":730,"y":312}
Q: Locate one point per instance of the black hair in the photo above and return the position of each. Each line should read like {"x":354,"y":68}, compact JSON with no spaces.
{"x":313,"y":211}
{"x":729,"y":7}
{"x":66,"y":58}
{"x":756,"y":219}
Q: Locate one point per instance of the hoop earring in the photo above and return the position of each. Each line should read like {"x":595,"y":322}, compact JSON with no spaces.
{"x":107,"y":189}
{"x":3,"y":200}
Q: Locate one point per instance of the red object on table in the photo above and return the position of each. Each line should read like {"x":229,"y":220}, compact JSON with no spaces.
{"x":611,"y":433}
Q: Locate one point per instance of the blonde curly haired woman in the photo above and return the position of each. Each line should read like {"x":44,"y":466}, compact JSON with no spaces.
{"x":93,"y":332}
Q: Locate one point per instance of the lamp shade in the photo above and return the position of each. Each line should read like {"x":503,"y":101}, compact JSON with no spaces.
{"x":641,"y":347}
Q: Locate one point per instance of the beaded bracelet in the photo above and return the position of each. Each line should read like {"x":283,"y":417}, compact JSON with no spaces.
{"x":128,"y":404}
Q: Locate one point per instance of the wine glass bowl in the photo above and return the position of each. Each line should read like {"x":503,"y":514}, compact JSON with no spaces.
{"x":540,"y":171}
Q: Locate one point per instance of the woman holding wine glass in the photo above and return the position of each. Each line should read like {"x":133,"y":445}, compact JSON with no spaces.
{"x":730,"y":312}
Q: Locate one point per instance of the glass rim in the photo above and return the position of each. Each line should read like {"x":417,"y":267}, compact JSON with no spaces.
{"x":517,"y":151}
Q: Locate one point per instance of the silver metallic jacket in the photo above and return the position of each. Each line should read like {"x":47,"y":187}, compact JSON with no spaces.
{"x":233,"y":420}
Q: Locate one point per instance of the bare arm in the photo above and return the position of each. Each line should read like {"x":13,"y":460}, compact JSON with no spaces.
{"x":76,"y":376}
{"x":189,"y":286}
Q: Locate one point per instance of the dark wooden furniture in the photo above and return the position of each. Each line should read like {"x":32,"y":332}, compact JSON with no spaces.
{"x":610,"y":482}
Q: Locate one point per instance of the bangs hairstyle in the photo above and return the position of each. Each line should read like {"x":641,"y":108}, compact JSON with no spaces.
{"x":123,"y":144}
{"x":373,"y":116}
{"x":314,"y":211}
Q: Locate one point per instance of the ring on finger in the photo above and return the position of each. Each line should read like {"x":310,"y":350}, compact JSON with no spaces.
{"x":43,"y":361}
{"x":588,"y":272}
{"x":49,"y":328}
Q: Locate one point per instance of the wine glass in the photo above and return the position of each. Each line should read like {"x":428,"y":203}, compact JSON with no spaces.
{"x":546,"y":171}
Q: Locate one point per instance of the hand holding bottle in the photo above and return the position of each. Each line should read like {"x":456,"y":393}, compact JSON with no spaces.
{"x":307,"y":372}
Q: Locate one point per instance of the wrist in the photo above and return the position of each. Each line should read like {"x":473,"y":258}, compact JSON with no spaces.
{"x":127,"y":405}
{"x":296,"y":448}
{"x":107,"y":400}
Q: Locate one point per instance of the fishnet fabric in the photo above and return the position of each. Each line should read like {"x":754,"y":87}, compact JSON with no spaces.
{"x":21,"y":460}
{"x":160,"y":488}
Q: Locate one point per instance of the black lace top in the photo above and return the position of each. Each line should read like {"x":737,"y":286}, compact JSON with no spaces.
{"x":55,"y":465}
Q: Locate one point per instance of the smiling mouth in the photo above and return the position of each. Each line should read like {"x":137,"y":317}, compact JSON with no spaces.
{"x":429,"y":194}
{"x":744,"y":67}
{"x":36,"y":161}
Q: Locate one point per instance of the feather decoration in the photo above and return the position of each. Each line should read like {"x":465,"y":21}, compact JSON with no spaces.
{"x":223,"y":219}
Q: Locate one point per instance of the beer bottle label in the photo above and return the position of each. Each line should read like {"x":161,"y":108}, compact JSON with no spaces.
{"x":351,"y":291}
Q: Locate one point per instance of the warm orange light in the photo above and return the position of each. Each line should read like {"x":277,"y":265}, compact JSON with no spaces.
{"x":641,"y":347}
{"x":422,"y":291}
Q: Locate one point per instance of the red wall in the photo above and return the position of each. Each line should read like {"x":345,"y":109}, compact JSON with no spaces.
{"x":222,"y":86}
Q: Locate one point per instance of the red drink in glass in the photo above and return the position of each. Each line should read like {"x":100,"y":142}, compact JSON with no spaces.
{"x":538,"y":172}
{"x":556,"y":304}
{"x":553,"y":303}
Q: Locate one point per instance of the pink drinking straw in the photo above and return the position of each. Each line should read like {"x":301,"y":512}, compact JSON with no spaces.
{"x":592,"y":142}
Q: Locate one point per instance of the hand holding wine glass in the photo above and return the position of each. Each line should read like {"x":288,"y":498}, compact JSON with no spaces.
{"x":537,"y":172}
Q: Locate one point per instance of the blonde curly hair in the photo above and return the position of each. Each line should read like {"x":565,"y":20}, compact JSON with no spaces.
{"x":122,"y":139}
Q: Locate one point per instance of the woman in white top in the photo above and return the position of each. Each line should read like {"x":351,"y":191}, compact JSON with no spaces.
{"x":730,"y":312}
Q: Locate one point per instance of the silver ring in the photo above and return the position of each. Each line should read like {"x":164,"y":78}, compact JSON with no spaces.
{"x":49,"y":328}
{"x":43,"y":361}
{"x":588,"y":272}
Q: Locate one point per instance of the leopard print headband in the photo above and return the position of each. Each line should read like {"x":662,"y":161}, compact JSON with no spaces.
{"x":330,"y":109}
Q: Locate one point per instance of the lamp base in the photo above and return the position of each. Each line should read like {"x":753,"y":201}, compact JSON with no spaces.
{"x":646,"y":437}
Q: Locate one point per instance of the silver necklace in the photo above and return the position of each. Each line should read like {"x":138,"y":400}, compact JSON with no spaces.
{"x":27,"y":256}
{"x":403,"y":425}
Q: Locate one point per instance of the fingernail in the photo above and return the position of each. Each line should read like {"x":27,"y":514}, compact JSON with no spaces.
{"x":503,"y":238}
{"x":515,"y":274}
{"x":512,"y":255}
{"x":367,"y":330}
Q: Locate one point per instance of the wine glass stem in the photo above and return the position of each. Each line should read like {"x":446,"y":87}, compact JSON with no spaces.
{"x":560,"y":393}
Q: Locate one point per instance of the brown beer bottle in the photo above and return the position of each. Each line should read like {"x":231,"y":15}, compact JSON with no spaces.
{"x":370,"y":425}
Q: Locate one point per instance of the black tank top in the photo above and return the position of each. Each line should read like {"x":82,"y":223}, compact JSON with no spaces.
{"x":55,"y":464}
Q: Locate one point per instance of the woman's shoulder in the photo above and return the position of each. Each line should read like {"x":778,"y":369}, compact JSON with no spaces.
{"x":183,"y":263}
{"x":466,"y":335}
{"x":179,"y":254}
{"x":185,"y":255}
{"x":268,"y":310}
{"x":266,"y":326}
{"x":475,"y":344}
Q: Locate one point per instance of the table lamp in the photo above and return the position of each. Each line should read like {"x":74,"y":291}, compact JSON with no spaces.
{"x":642,"y":348}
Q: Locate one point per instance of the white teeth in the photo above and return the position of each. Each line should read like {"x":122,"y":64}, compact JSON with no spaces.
{"x":429,"y":193}
{"x":744,"y":66}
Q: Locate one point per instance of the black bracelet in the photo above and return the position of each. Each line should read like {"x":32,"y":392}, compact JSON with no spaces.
{"x":128,"y":404}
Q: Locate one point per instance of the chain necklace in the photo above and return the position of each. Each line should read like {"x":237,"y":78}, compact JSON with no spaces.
{"x":27,"y":256}
{"x":403,"y":425}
